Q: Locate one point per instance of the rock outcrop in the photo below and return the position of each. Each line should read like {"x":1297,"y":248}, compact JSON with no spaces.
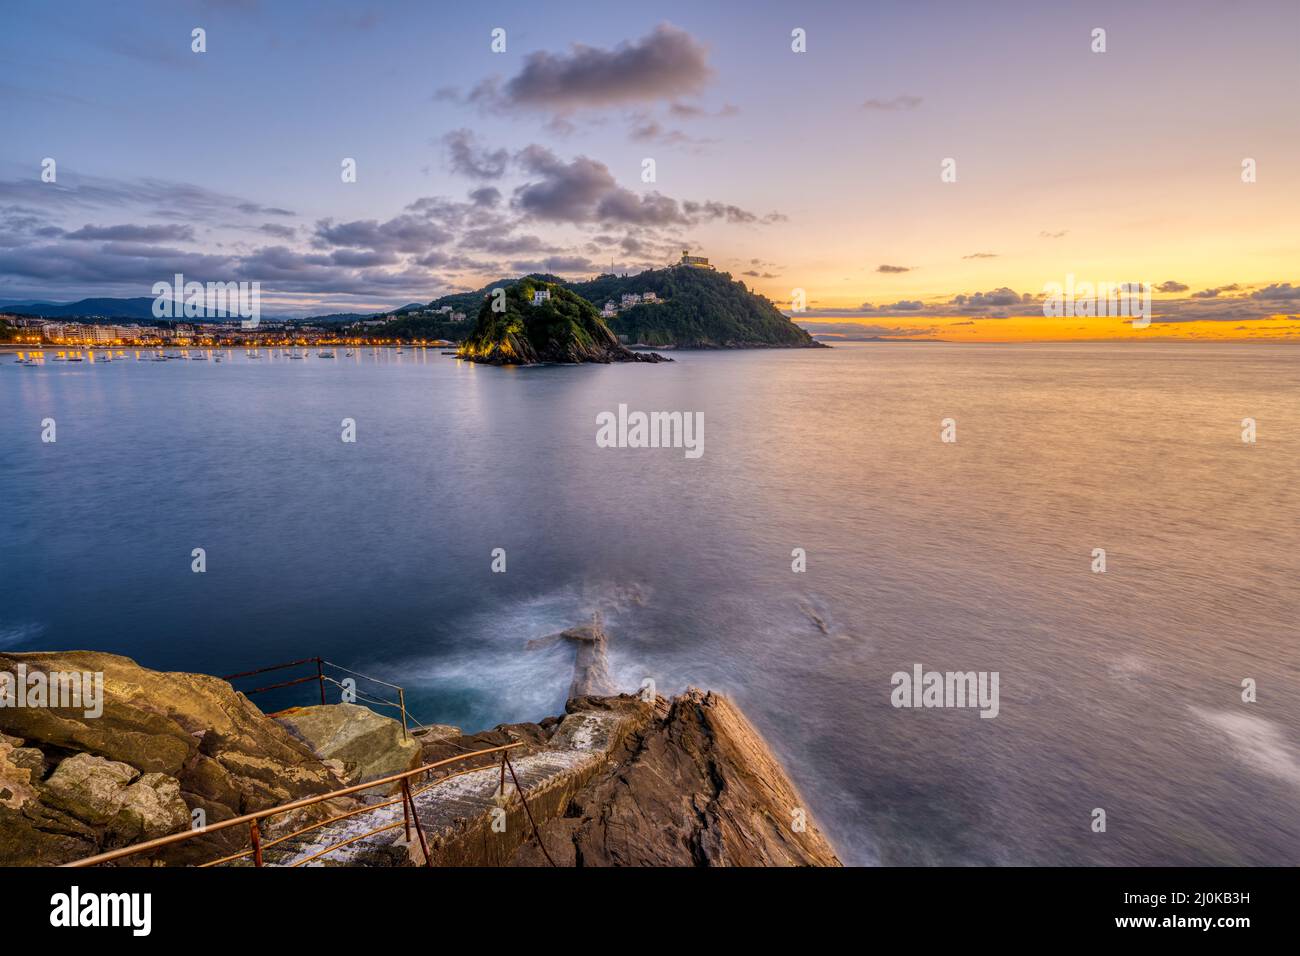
{"x":513,"y":329}
{"x":161,"y":737}
{"x":367,"y":744}
{"x":694,"y":785}
{"x":615,"y":781}
{"x":591,"y":677}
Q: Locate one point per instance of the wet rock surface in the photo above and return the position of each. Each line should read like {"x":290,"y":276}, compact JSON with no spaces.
{"x":591,"y":675}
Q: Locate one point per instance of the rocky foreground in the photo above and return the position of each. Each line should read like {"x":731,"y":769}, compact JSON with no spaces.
{"x":615,"y":781}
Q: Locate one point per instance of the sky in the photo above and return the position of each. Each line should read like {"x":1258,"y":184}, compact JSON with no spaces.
{"x":816,"y":177}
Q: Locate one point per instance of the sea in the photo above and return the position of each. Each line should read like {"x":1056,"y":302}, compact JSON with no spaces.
{"x":1110,"y":528}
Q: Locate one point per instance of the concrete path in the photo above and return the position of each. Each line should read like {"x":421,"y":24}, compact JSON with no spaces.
{"x":465,"y":818}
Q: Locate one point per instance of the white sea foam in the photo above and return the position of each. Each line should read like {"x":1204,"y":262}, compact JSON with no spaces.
{"x":1257,"y":742}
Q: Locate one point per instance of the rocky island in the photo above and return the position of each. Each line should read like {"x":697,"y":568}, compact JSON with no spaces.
{"x":532,"y":322}
{"x":616,"y":780}
{"x":679,"y":307}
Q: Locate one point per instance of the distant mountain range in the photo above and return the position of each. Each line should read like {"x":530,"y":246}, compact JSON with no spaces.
{"x":137,"y":308}
{"x":140,"y":309}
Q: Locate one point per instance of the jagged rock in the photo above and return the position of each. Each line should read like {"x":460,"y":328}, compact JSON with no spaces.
{"x":369,"y":745}
{"x":227,"y":757}
{"x":697,"y":786}
{"x":19,"y":770}
{"x":153,"y":807}
{"x":591,"y":663}
{"x":435,"y":732}
{"x":116,"y":799}
{"x":89,"y":788}
{"x":616,"y":781}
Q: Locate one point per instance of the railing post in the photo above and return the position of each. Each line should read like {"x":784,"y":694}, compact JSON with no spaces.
{"x":320,"y":676}
{"x":524,"y":800}
{"x":419,"y":830}
{"x":502,"y":790}
{"x":257,"y":841}
{"x":401,"y":702}
{"x":406,"y":809}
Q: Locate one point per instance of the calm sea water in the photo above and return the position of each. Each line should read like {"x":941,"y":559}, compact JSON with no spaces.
{"x":1118,"y":690}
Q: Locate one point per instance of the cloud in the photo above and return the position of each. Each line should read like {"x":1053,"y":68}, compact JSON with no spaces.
{"x":893,"y":269}
{"x":981,"y":255}
{"x":478,"y":236}
{"x":895,"y":104}
{"x":108,"y":266}
{"x":162,"y":199}
{"x":1053,"y":235}
{"x":364,"y":258}
{"x":666,"y":63}
{"x":1171,"y":286}
{"x":491,"y":240}
{"x":1214,"y":293}
{"x":468,"y":158}
{"x":999,"y":303}
{"x":134,"y":233}
{"x":583,"y":190}
{"x":1283,"y":291}
{"x":691,"y":111}
{"x":404,"y":233}
{"x":1000,"y":298}
{"x":863,"y":331}
{"x":278,"y":230}
{"x":652,"y":131}
{"x":554,"y":264}
{"x":565,"y":192}
{"x":725,"y":211}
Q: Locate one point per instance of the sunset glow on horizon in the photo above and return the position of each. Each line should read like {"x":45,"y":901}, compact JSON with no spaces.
{"x":911,"y":172}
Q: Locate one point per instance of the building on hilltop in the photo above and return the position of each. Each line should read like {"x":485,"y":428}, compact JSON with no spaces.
{"x":540,"y":296}
{"x":696,"y":262}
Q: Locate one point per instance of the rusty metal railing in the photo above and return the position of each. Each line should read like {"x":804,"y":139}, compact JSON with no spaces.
{"x":318,"y":676}
{"x":322,"y":679}
{"x":410,"y":816}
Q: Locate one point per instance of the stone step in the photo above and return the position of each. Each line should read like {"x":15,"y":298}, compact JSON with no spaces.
{"x":458,"y":813}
